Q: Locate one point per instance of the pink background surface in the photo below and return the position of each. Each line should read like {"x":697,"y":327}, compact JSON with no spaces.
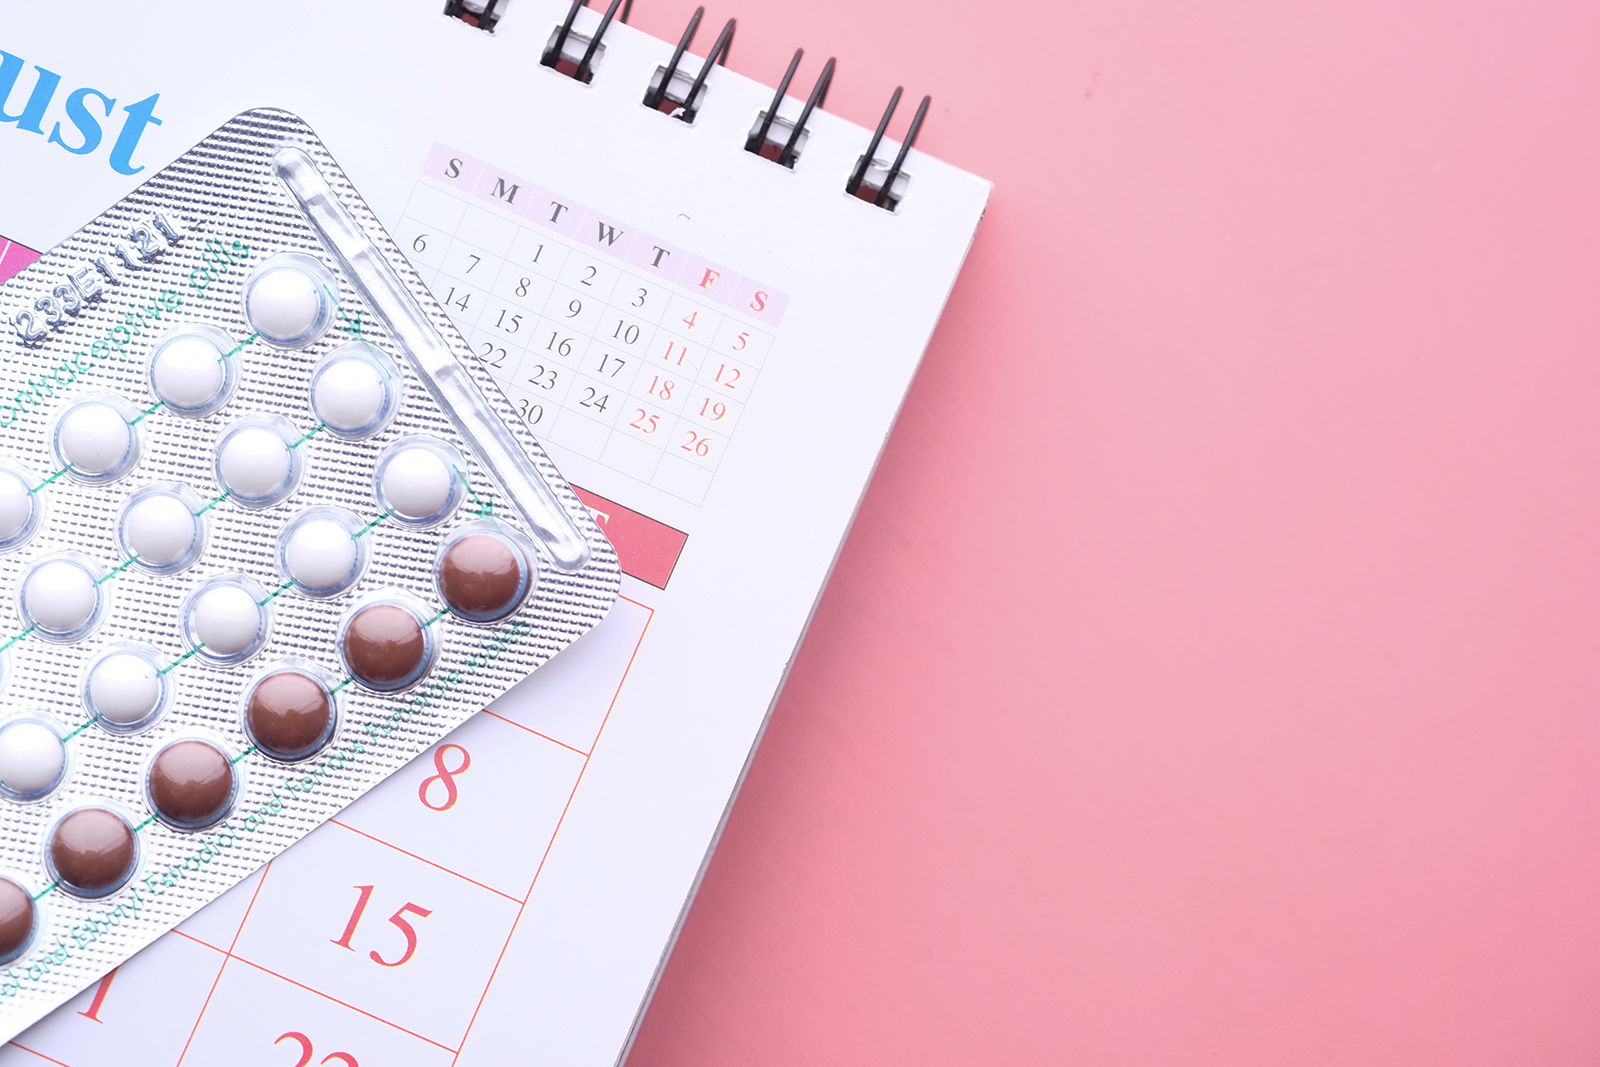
{"x":1279,"y":344}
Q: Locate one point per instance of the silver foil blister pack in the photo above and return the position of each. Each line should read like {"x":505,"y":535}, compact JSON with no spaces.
{"x":247,"y":464}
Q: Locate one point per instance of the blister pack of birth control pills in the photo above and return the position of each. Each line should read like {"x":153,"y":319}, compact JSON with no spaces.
{"x":267,"y":532}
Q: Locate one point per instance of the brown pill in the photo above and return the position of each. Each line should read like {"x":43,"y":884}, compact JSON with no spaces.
{"x":481,"y":578}
{"x":384,"y":647}
{"x":289,"y":715}
{"x":16,"y":919}
{"x":191,"y":783}
{"x":92,"y":851}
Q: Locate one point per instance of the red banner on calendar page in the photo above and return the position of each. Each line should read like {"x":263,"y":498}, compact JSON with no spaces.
{"x":14,"y":257}
{"x":647,"y":549}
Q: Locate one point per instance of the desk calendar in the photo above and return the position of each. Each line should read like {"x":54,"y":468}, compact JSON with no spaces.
{"x":663,"y":301}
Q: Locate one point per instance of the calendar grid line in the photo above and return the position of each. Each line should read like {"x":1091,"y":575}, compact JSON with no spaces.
{"x":552,"y":842}
{"x":265,"y":871}
{"x":39,"y":1054}
{"x":535,"y":733}
{"x":343,"y":1004}
{"x":419,"y":859}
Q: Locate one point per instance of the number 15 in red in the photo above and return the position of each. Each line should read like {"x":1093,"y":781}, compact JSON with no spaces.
{"x":398,"y":919}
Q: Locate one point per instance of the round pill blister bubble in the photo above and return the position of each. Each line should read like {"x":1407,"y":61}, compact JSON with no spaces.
{"x":33,"y":759}
{"x":320,"y":552}
{"x":158,"y":528}
{"x":18,"y":920}
{"x":289,"y":714}
{"x":226,"y":620}
{"x":193,"y":370}
{"x":92,"y":851}
{"x":60,"y":598}
{"x":417,"y":481}
{"x":124,"y":690}
{"x":95,"y":439}
{"x":355,"y":390}
{"x":386,"y":645}
{"x":191,"y":783}
{"x":288,"y":301}
{"x":482,"y":574}
{"x":21,"y":509}
{"x":255,"y":462}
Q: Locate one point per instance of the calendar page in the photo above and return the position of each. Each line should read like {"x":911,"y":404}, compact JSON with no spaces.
{"x":712,"y":347}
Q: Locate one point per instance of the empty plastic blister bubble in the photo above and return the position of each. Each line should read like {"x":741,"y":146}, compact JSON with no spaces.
{"x":194,"y":370}
{"x":321,"y":551}
{"x":418,"y":481}
{"x":258,"y":461}
{"x":33,"y":758}
{"x":21,"y":507}
{"x":289,"y":300}
{"x":160,"y":528}
{"x":125,"y":689}
{"x":96,"y":439}
{"x":60,"y":597}
{"x":355,"y":390}
{"x":226,"y":619}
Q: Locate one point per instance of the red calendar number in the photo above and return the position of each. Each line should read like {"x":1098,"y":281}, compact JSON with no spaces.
{"x":644,"y":422}
{"x":306,"y":1051}
{"x":712,"y":411}
{"x":700,"y":446}
{"x":741,"y":341}
{"x":677,"y":357}
{"x":727,"y":377}
{"x":100,"y":991}
{"x":661,"y":388}
{"x":689,"y":320}
{"x":445,"y":777}
{"x":398,"y":919}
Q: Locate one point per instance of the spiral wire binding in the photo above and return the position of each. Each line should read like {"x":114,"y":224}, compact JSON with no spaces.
{"x":883,"y":196}
{"x":654,"y":97}
{"x":552,"y":55}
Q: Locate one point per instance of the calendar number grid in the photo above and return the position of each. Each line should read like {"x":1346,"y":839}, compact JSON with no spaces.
{"x":632,"y":372}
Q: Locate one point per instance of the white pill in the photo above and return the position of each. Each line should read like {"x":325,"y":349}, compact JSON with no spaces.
{"x":285,"y":305}
{"x":255,"y":463}
{"x":188,"y":372}
{"x":349,"y":394}
{"x":160,"y":529}
{"x":320,"y":554}
{"x":124,"y":688}
{"x":16,"y":505}
{"x":226,"y":620}
{"x":95,"y":438}
{"x":60,"y":596}
{"x":416,"y":483}
{"x":31,"y":757}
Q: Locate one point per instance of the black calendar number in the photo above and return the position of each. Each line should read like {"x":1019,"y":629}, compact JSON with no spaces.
{"x":531,"y":413}
{"x":523,"y":283}
{"x":421,"y":243}
{"x":643,"y":295}
{"x":574,"y":307}
{"x":495,"y":357}
{"x":628,"y":335}
{"x":543,"y":377}
{"x":450,"y":297}
{"x":511,"y":325}
{"x":588,"y":279}
{"x":565,"y":347}
{"x":475,"y":261}
{"x":611,"y":364}
{"x":593,"y":400}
